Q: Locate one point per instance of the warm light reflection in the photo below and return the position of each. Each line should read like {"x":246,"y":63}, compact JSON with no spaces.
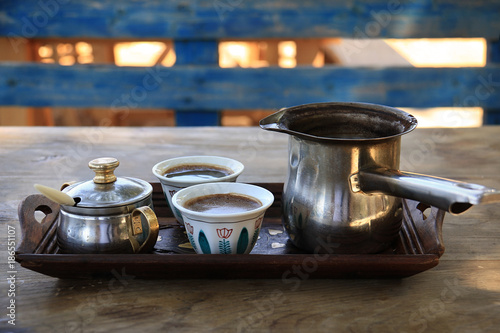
{"x":84,"y":51}
{"x":486,"y":270}
{"x":319,"y":60}
{"x":241,"y":54}
{"x":65,"y":54}
{"x":448,"y":117}
{"x":287,"y":51}
{"x":83,"y":48}
{"x":234,"y":54}
{"x":45,"y":51}
{"x":456,"y":52}
{"x":64,"y":48}
{"x":143,"y":54}
{"x":67,"y":60}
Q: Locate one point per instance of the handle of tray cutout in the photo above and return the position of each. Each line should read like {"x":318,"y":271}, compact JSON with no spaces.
{"x":37,"y":237}
{"x":421,"y":232}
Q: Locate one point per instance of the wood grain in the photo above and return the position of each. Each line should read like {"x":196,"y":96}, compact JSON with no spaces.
{"x":460,"y":294}
{"x":209,"y":88}
{"x":198,"y":52}
{"x":207,"y":19}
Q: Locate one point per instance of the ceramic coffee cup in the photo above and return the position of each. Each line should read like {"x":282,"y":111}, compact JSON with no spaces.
{"x":221,"y":226}
{"x":225,"y":170}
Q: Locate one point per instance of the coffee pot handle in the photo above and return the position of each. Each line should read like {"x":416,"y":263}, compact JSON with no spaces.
{"x":135,"y":229}
{"x":447,"y":194}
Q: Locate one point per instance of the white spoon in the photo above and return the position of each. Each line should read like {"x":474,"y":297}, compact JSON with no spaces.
{"x":55,"y":195}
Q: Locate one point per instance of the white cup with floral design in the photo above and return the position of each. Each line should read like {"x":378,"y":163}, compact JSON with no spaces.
{"x":227,"y":232}
{"x":230,"y":170}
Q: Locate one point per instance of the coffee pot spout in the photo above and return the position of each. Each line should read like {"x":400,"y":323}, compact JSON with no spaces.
{"x":272,"y":122}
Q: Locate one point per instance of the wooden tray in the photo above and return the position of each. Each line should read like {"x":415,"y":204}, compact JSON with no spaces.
{"x":418,"y":248}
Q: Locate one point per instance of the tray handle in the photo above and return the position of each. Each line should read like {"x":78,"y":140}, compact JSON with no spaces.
{"x":422,"y":230}
{"x":37,"y":237}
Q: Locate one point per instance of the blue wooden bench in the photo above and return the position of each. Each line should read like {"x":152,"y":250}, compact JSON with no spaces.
{"x":198,"y":89}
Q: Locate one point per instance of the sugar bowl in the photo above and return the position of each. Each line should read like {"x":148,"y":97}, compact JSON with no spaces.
{"x":111,"y":215}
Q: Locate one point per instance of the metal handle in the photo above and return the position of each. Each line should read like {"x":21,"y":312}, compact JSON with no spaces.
{"x":450,"y":195}
{"x":135,"y":229}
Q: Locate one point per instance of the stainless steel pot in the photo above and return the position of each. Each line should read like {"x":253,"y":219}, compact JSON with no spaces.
{"x":111,"y":215}
{"x":343,"y":189}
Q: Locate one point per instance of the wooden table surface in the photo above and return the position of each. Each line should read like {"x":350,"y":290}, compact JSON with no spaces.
{"x":461,"y":294}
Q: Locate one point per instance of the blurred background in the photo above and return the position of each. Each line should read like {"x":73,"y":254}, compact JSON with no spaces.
{"x":454,"y":52}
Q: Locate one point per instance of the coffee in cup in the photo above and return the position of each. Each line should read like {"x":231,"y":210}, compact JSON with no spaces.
{"x":178,"y":173}
{"x":223,"y":203}
{"x":197,"y":172}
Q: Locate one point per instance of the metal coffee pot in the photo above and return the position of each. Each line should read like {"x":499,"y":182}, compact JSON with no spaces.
{"x":343,"y":186}
{"x":111,"y":215}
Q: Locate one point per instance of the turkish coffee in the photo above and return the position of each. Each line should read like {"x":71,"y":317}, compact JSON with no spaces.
{"x":225,"y":203}
{"x":197,"y":172}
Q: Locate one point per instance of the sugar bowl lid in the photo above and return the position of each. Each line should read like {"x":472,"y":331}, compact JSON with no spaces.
{"x":107,"y":190}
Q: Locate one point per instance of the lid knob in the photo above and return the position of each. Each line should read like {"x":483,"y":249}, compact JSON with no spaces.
{"x":103,"y":168}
